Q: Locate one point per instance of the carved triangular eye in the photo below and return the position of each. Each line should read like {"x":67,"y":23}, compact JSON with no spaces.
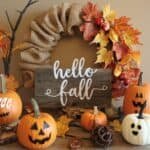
{"x":141,"y":95}
{"x":46,"y":125}
{"x":137,"y":95}
{"x":34,"y":126}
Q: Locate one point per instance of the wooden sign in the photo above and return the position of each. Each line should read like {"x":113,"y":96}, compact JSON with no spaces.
{"x":56,"y":87}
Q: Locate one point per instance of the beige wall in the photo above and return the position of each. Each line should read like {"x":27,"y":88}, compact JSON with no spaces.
{"x":138,"y":10}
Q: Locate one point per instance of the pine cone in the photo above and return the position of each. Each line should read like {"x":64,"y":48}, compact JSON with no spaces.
{"x":101,"y":136}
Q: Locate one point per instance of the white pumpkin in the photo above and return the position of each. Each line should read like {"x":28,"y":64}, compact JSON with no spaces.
{"x":136,"y":128}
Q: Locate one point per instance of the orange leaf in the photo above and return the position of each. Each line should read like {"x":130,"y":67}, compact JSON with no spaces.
{"x":131,"y":56}
{"x":4,"y":44}
{"x":126,"y":32}
{"x":12,"y":83}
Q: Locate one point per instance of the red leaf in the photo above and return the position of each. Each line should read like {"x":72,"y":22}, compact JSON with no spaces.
{"x":89,"y":31}
{"x":90,"y":12}
{"x":120,"y":49}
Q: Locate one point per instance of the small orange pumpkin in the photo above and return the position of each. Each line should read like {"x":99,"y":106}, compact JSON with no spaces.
{"x":135,"y":97}
{"x":10,"y":104}
{"x":90,"y":120}
{"x":37,"y":130}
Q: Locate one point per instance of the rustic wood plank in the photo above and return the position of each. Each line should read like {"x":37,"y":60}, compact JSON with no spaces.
{"x":45,"y":79}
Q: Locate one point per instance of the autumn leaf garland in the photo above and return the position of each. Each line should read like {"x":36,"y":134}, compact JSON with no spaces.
{"x":115,"y":38}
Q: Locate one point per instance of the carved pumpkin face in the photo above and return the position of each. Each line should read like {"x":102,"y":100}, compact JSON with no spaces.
{"x":37,"y":132}
{"x":10,"y":107}
{"x":135,"y":97}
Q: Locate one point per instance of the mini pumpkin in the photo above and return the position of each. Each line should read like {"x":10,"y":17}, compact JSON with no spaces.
{"x":90,"y":120}
{"x":37,"y":130}
{"x":135,"y":96}
{"x":10,"y":104}
{"x":135,"y":127}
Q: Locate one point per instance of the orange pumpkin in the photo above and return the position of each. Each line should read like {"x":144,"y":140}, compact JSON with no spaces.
{"x":135,"y":97}
{"x":10,"y":104}
{"x":90,"y":120}
{"x":37,"y":130}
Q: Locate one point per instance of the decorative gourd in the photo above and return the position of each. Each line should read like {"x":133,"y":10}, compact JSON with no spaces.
{"x":135,"y":96}
{"x":90,"y":120}
{"x":10,"y":104}
{"x":135,"y":127}
{"x":37,"y":130}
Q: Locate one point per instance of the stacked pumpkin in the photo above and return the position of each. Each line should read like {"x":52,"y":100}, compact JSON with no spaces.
{"x":10,"y":104}
{"x":135,"y":126}
{"x":35,"y":131}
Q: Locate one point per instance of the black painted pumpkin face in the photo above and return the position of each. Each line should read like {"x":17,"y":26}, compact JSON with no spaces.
{"x":135,"y":97}
{"x":37,"y":133}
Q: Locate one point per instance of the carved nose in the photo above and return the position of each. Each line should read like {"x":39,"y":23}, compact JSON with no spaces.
{"x":41,"y":132}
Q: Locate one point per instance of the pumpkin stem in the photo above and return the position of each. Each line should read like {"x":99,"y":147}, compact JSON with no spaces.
{"x":140,"y":79}
{"x":3,"y":83}
{"x":35,"y":107}
{"x":141,"y":110}
{"x":95,"y":110}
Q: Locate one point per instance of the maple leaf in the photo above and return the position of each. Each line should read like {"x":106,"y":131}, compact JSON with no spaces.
{"x":120,"y":50}
{"x":131,"y":56}
{"x":118,"y":70}
{"x":89,"y":31}
{"x":63,"y":125}
{"x":113,"y":36}
{"x":12,"y":83}
{"x":104,"y":56}
{"x":126,"y":32}
{"x":109,"y":14}
{"x":131,"y":60}
{"x":116,"y":125}
{"x":131,"y":37}
{"x":90,"y":12}
{"x":101,"y":38}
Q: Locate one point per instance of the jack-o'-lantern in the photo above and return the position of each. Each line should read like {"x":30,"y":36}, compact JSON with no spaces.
{"x":37,"y":130}
{"x":135,"y":96}
{"x":10,"y":104}
{"x":135,"y":128}
{"x":90,"y":120}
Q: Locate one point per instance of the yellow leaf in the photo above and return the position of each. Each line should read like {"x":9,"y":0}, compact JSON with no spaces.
{"x":116,"y":125}
{"x":63,"y":125}
{"x":109,"y":14}
{"x":118,"y":70}
{"x":113,"y":36}
{"x":104,"y":56}
{"x":101,"y":38}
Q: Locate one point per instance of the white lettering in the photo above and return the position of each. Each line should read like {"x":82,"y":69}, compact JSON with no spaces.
{"x":83,"y":91}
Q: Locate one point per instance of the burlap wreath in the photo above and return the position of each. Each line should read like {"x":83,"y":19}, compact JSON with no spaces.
{"x":45,"y":35}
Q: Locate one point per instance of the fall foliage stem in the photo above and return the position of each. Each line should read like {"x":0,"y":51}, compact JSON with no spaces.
{"x":13,"y":31}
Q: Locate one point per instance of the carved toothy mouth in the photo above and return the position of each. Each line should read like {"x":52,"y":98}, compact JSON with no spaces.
{"x":135,"y":132}
{"x":39,"y":141}
{"x":4,"y":114}
{"x":137,"y":104}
